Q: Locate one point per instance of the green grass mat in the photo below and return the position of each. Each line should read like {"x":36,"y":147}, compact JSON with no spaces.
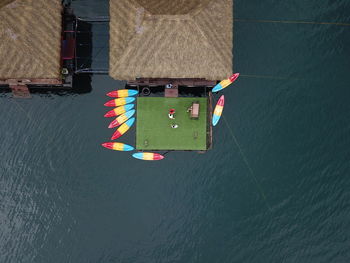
{"x":153,"y":131}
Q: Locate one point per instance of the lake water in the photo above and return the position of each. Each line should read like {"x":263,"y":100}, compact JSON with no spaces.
{"x":275,"y":188}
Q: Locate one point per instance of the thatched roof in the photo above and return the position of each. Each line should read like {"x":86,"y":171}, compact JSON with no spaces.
{"x":30,"y":38}
{"x":171,"y":39}
{"x":5,"y":2}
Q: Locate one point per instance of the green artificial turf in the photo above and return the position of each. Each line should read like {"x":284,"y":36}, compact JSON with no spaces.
{"x":153,"y":126}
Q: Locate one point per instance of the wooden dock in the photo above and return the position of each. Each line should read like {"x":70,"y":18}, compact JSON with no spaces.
{"x":172,"y":92}
{"x":20,"y":91}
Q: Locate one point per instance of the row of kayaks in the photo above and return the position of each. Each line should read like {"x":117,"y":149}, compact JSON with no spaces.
{"x":124,"y":111}
{"x":221,"y":102}
{"x":147,"y":156}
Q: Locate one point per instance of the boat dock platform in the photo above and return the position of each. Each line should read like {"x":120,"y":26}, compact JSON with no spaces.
{"x":192,"y":118}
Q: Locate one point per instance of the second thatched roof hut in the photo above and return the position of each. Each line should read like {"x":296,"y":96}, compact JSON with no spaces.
{"x":171,"y":39}
{"x":30,"y":39}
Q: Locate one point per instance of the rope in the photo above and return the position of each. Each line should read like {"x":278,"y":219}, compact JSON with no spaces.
{"x":265,"y":77}
{"x":92,"y":59}
{"x":251,"y":172}
{"x":293,"y":22}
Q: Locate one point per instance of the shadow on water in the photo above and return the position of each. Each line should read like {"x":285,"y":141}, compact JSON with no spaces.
{"x":82,"y":82}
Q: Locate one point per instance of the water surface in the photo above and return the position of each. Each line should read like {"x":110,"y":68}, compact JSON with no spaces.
{"x":286,"y":199}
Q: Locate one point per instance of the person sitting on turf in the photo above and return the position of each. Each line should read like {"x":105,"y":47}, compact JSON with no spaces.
{"x":174,"y":126}
{"x":171,"y":114}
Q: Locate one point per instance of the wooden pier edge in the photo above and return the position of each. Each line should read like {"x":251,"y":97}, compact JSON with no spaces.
{"x":188,"y":82}
{"x":20,"y":91}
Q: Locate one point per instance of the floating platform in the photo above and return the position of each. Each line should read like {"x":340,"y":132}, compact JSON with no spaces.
{"x":153,"y":126}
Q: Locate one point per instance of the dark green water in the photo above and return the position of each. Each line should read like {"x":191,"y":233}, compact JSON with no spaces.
{"x":66,"y":199}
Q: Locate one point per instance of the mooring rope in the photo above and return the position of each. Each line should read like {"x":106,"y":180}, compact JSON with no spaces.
{"x":292,"y":22}
{"x":93,"y":58}
{"x":25,"y":112}
{"x":245,"y":159}
{"x":266,"y":77}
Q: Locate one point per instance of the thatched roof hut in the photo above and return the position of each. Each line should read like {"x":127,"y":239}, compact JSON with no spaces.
{"x":171,"y":39}
{"x":30,"y":39}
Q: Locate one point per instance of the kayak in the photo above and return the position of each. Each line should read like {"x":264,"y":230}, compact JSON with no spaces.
{"x":121,"y":119}
{"x":218,"y":110}
{"x":223,"y":84}
{"x":123,"y":128}
{"x":148,"y":156}
{"x":119,"y":110}
{"x":119,"y":101}
{"x":122,"y":93}
{"x":118,"y":146}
